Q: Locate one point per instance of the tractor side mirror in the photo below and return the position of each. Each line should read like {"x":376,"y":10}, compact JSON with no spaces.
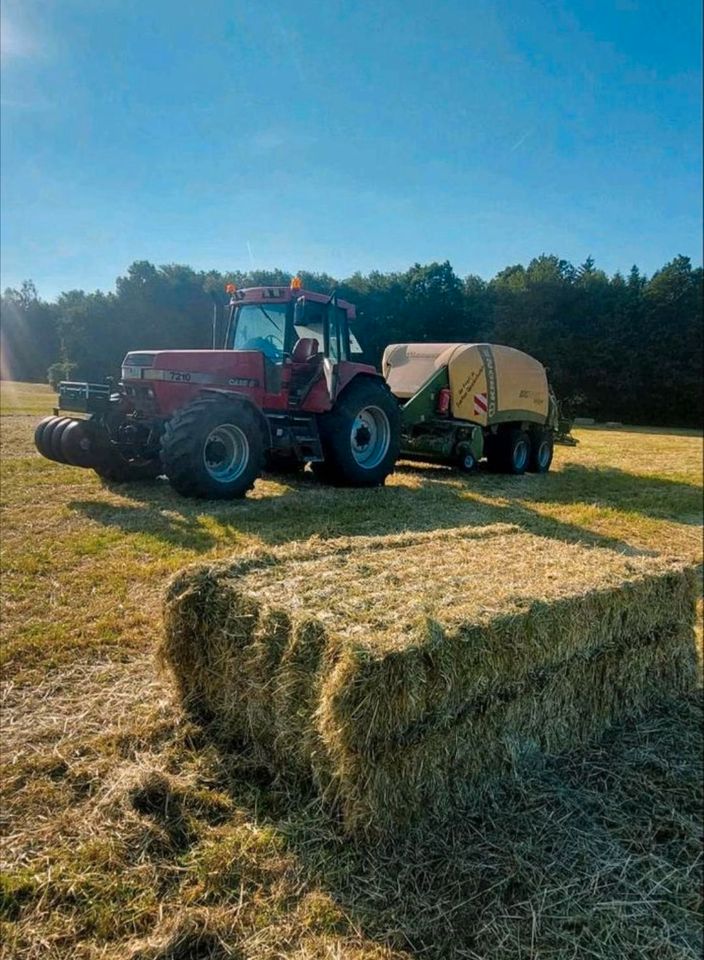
{"x":299,"y":312}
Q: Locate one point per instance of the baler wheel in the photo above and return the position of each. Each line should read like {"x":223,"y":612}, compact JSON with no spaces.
{"x":467,"y":462}
{"x":541,"y":451}
{"x":516,"y":451}
{"x":213,"y":448}
{"x":509,"y":451}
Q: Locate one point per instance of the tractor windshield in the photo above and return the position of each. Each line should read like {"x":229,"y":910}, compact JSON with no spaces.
{"x":261,"y":328}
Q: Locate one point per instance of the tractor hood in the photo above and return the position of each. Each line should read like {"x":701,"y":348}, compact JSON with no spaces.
{"x":206,"y":367}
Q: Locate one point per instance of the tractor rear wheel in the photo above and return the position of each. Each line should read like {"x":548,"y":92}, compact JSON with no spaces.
{"x":213,"y":448}
{"x":541,"y":451}
{"x":361,"y":436}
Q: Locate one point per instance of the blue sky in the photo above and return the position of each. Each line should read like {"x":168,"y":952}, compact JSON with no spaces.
{"x":340,"y":136}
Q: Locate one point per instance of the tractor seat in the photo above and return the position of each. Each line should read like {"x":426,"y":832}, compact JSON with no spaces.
{"x":306,"y":349}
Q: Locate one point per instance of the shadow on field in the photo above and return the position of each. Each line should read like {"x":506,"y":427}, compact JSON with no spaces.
{"x":650,"y":496}
{"x":593,"y":854}
{"x":440,"y":499}
{"x":575,"y":484}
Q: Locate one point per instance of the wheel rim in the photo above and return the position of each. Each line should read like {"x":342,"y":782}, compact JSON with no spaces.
{"x":520,"y":454}
{"x":370,"y":437}
{"x":468,"y":462}
{"x":226,"y":453}
{"x":544,"y":454}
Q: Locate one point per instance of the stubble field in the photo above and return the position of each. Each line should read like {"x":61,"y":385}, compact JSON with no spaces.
{"x":128,"y":834}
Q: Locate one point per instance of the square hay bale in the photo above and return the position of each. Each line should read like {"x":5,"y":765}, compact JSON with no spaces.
{"x":404,"y":674}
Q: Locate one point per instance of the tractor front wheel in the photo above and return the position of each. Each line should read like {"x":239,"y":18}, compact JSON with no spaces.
{"x":213,"y":449}
{"x":361,"y":436}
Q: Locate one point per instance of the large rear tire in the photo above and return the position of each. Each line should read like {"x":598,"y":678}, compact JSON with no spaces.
{"x":213,"y":448}
{"x":361,"y":436}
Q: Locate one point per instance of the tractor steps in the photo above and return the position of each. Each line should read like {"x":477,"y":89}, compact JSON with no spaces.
{"x":298,"y":434}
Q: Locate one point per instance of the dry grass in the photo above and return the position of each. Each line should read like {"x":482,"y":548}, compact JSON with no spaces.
{"x":402,"y":694}
{"x":126,"y":832}
{"x":18,"y":398}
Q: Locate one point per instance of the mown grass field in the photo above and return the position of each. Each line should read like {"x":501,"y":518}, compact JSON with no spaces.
{"x":127,"y":834}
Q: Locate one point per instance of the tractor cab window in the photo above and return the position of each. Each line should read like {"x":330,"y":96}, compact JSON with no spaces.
{"x":310,"y":323}
{"x":261,"y":328}
{"x":338,"y":336}
{"x":327,"y":324}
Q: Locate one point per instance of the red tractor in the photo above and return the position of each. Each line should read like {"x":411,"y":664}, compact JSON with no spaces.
{"x":282,"y":393}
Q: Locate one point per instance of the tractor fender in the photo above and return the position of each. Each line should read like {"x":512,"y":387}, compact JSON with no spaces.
{"x":356,"y":377}
{"x":244,"y":399}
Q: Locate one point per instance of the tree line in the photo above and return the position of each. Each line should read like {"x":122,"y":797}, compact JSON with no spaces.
{"x":625,"y":348}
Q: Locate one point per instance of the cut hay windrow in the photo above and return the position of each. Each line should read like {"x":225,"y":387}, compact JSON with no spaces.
{"x":404,"y":674}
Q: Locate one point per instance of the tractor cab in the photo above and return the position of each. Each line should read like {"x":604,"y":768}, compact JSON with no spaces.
{"x":273,"y":320}
{"x":302,"y":336}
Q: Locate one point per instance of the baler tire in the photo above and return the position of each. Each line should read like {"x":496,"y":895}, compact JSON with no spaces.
{"x":39,"y":431}
{"x":56,"y":436}
{"x":188,"y":435}
{"x":467,"y":462}
{"x":542,"y":447}
{"x":515,"y":451}
{"x":341,"y":465}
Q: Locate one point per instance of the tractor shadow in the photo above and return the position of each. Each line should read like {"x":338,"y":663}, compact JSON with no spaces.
{"x":421,"y":498}
{"x":649,"y":496}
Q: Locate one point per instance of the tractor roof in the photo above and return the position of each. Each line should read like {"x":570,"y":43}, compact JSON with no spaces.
{"x":282,"y":293}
